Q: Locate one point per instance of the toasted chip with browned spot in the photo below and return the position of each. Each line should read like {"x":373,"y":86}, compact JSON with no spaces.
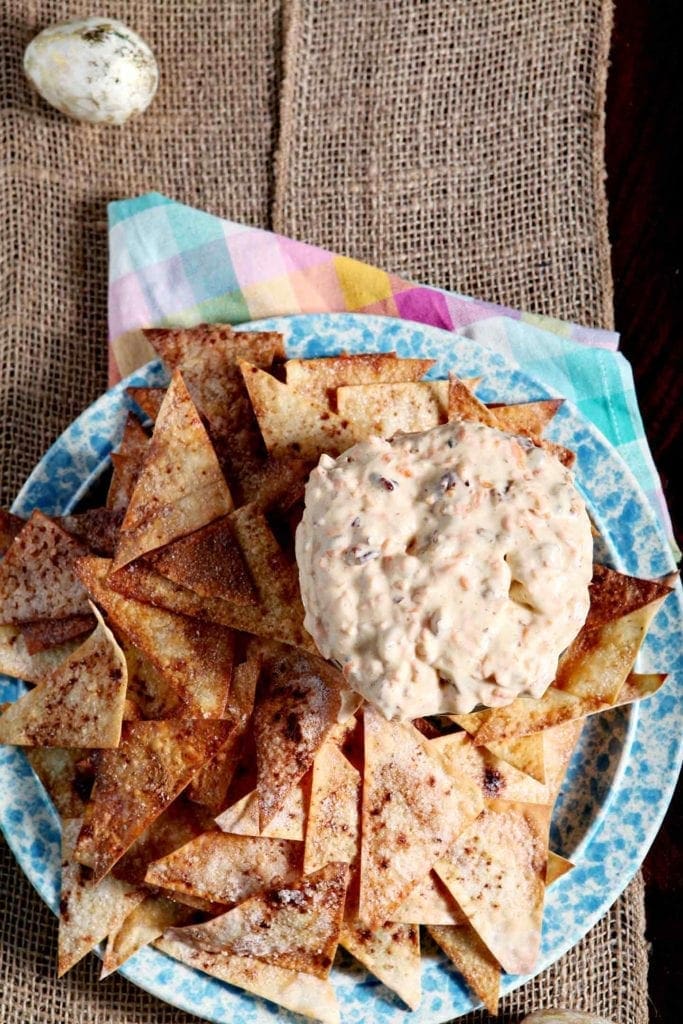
{"x":180,"y":487}
{"x":496,"y":779}
{"x":195,"y":658}
{"x":209,"y":562}
{"x":79,"y":704}
{"x":300,"y":699}
{"x":87,"y":913}
{"x":557,"y":867}
{"x":614,"y":595}
{"x":430,"y":903}
{"x":148,"y":399}
{"x":16,"y":661}
{"x":470,"y":956}
{"x":225,"y":868}
{"x":391,"y":952}
{"x":525,"y":753}
{"x":318,"y":379}
{"x":528,"y":419}
{"x":294,"y":925}
{"x":638,"y":686}
{"x":527,"y":715}
{"x":333,"y":829}
{"x":67,"y":776}
{"x":463,"y":405}
{"x":147,"y":922}
{"x":37,"y":579}
{"x":496,"y":872}
{"x":294,"y":990}
{"x":412,"y":812}
{"x":290,"y":423}
{"x":127,"y":462}
{"x":40,"y":636}
{"x":138,"y":780}
{"x":382,"y":410}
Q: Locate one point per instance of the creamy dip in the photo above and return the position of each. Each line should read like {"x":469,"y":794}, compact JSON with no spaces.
{"x":444,"y":569}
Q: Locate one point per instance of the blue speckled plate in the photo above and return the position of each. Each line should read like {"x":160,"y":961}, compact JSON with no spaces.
{"x":620,"y":780}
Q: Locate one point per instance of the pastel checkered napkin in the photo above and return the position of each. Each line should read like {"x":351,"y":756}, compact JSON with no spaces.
{"x":174,"y":265}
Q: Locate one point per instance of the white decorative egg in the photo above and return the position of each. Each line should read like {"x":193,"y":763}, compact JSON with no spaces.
{"x":94,"y":69}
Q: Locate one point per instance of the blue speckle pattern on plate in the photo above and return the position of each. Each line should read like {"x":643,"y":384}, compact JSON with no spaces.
{"x":621,"y":778}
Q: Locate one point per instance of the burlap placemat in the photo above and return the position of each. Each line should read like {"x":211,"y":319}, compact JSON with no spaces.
{"x":455,"y":142}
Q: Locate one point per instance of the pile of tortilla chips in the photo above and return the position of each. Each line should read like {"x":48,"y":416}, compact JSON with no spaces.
{"x":223,"y":795}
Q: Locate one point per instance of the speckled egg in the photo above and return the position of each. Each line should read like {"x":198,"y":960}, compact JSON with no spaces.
{"x":94,"y":69}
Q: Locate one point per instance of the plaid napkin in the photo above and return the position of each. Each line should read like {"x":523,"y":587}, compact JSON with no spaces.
{"x":172,"y":265}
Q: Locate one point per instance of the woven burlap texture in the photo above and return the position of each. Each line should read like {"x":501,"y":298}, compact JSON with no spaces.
{"x":459,"y":143}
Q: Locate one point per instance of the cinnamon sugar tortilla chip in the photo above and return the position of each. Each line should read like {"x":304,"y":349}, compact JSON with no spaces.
{"x":87,"y":913}
{"x":333,"y":829}
{"x":391,"y":952}
{"x":98,"y":528}
{"x":181,"y":822}
{"x":496,"y":873}
{"x":557,"y":867}
{"x":470,"y":956}
{"x":639,"y":686}
{"x":150,"y":694}
{"x":147,"y":922}
{"x":300,"y":699}
{"x":16,"y":661}
{"x":242,"y":817}
{"x":558,"y":745}
{"x":430,"y":903}
{"x":40,"y":636}
{"x":290,"y":423}
{"x":462,"y":405}
{"x":209,"y":562}
{"x":383,"y":410}
{"x":525,"y":753}
{"x":148,"y":399}
{"x":79,"y":704}
{"x":294,"y":925}
{"x":412,"y":812}
{"x":526,"y":715}
{"x":127,"y":463}
{"x":138,"y":780}
{"x":227,"y":869}
{"x":10,"y":526}
{"x":67,"y":776}
{"x":528,"y":419}
{"x":180,"y":487}
{"x":195,"y":658}
{"x":301,"y":993}
{"x":318,"y":379}
{"x":614,"y":595}
{"x":496,"y":778}
{"x":37,"y":579}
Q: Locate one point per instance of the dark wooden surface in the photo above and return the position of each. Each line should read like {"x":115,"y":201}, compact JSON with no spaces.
{"x":644,"y":132}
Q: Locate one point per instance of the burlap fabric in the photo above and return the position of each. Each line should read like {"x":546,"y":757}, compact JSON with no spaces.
{"x":455,"y":141}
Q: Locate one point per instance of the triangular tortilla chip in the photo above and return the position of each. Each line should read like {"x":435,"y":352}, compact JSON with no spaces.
{"x":293,"y":925}
{"x":333,"y":829}
{"x":558,"y":746}
{"x":87,"y":913}
{"x":301,"y":993}
{"x":150,"y":695}
{"x":226,"y":868}
{"x":16,"y":661}
{"x":40,"y":636}
{"x":430,"y":903}
{"x":470,"y":956}
{"x":179,"y":346}
{"x":127,"y":463}
{"x":317,"y":378}
{"x":138,"y":780}
{"x":292,"y":425}
{"x":462,"y":405}
{"x":195,"y":658}
{"x":390,"y":952}
{"x":242,"y":817}
{"x":528,"y":419}
{"x":638,"y":686}
{"x":148,"y":399}
{"x":525,"y":753}
{"x":412,"y":812}
{"x":67,"y":776}
{"x":181,"y":822}
{"x":180,"y":487}
{"x":98,"y":528}
{"x":209,"y":562}
{"x":556,"y":867}
{"x":496,"y":873}
{"x":147,"y":922}
{"x":382,"y":410}
{"x":526,"y":715}
{"x":80,"y":704}
{"x":37,"y":580}
{"x":496,"y":779}
{"x":299,"y":701}
{"x":614,"y":595}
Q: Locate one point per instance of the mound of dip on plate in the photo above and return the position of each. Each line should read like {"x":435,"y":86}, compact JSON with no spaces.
{"x":446,"y":569}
